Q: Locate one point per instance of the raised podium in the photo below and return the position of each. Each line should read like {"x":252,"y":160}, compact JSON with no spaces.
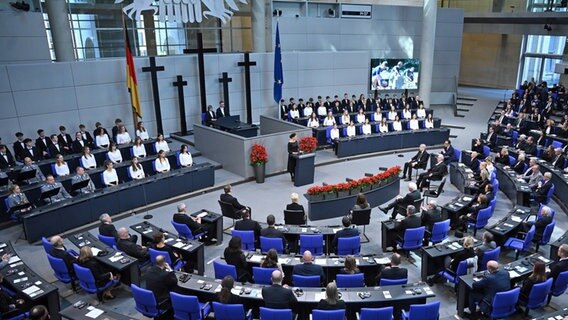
{"x":304,"y":173}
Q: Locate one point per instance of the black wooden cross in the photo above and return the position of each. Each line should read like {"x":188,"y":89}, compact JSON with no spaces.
{"x":153,"y":69}
{"x":179,"y":83}
{"x":247,"y":64}
{"x":225,"y":81}
{"x":201,"y":65}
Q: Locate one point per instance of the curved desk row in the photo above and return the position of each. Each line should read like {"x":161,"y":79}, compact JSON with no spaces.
{"x":398,"y":296}
{"x":27,"y":284}
{"x":68,"y":214}
{"x":516,"y":189}
{"x":509,"y":224}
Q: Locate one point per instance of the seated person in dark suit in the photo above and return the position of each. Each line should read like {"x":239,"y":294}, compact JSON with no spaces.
{"x":332,"y":300}
{"x":228,"y":198}
{"x":30,"y":151}
{"x":484,"y":290}
{"x":56,"y":147}
{"x":491,"y":138}
{"x":222,"y":111}
{"x":130,"y":248}
{"x":558,"y":160}
{"x":161,"y":280}
{"x":272,"y":232}
{"x":540,"y":224}
{"x":9,"y":306}
{"x":430,"y":215}
{"x":538,"y":276}
{"x":437,"y":172}
{"x":412,"y":195}
{"x":39,"y":312}
{"x":503,"y":157}
{"x":411,"y":221}
{"x":474,"y":164}
{"x":477,"y":146}
{"x":106,"y":228}
{"x":471,"y":216}
{"x":519,"y":166}
{"x":295,"y":205}
{"x":210,"y":116}
{"x":559,"y":266}
{"x":194,"y":224}
{"x":393,"y":272}
{"x":420,"y":160}
{"x":277,"y":296}
{"x":448,"y":152}
{"x":348,"y":231}
{"x":225,"y":295}
{"x":542,"y":188}
{"x":234,"y":255}
{"x":59,"y":251}
{"x":486,"y":245}
{"x":101,"y":275}
{"x":530,"y":147}
{"x":308,"y":268}
{"x":451,"y":263}
{"x":247,"y":224}
{"x":6,"y":158}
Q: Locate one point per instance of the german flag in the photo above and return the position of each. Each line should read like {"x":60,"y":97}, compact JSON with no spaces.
{"x":131,"y":75}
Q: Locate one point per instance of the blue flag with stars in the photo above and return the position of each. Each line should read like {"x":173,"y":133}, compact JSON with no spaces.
{"x":278,"y":73}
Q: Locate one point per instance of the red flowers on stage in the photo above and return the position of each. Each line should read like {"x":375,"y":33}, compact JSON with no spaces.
{"x":308,"y":144}
{"x":258,"y":155}
{"x":356,"y":184}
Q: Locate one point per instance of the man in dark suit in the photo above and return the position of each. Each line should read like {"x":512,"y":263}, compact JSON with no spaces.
{"x":277,"y":296}
{"x":344,"y":101}
{"x":30,"y":151}
{"x":308,"y":268}
{"x":448,"y":152}
{"x":65,"y":140}
{"x":412,"y":195}
{"x":221,"y":111}
{"x":115,"y":129}
{"x":437,"y":172}
{"x":210,"y":116}
{"x":194,"y":224}
{"x":228,"y":198}
{"x":411,"y":221}
{"x":430,"y":215}
{"x":491,"y":138}
{"x":130,"y":248}
{"x":393,"y":272}
{"x":19,"y":145}
{"x":283,"y":109}
{"x":347,"y":232}
{"x":530,"y":147}
{"x":558,"y":161}
{"x":559,"y":266}
{"x":85,"y":134}
{"x":474,"y":164}
{"x":542,"y":188}
{"x":106,"y":228}
{"x":420,"y":160}
{"x":272,"y":232}
{"x":79,"y":143}
{"x":540,"y":224}
{"x":247,"y":224}
{"x":6,"y":158}
{"x":42,"y":143}
{"x":161,"y":280}
{"x":484,"y":290}
{"x":56,"y":148}
{"x":59,"y":251}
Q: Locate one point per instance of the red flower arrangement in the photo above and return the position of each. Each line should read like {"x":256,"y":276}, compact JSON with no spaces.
{"x":308,"y":144}
{"x":355,"y":184}
{"x":258,"y":155}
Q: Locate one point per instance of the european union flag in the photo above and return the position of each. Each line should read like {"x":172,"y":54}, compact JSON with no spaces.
{"x":278,"y":73}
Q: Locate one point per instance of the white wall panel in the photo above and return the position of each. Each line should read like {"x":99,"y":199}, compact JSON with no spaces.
{"x":45,"y":101}
{"x":7,"y":109}
{"x":40,"y":76}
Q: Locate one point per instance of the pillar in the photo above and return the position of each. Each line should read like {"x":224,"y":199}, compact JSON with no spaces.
{"x":258,"y":16}
{"x":429,"y":18}
{"x":57,"y":11}
{"x":564,"y":76}
{"x":150,"y":33}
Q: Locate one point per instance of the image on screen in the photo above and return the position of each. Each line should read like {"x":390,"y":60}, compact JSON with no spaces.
{"x":394,"y":74}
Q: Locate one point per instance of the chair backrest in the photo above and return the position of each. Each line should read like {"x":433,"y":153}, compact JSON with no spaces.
{"x":488,"y":256}
{"x":328,"y":314}
{"x":486,"y":151}
{"x":347,"y":246}
{"x":154,"y":253}
{"x":512,"y":161}
{"x":313,"y":243}
{"x":457,"y":154}
{"x":262,"y":275}
{"x":59,"y":269}
{"x":504,"y":303}
{"x":350,"y":280}
{"x":86,"y":278}
{"x":294,"y":217}
{"x":228,"y":210}
{"x":560,"y":284}
{"x":528,"y":239}
{"x":247,"y":239}
{"x":385,"y":313}
{"x":413,"y":238}
{"x":271,"y":243}
{"x":440,"y":231}
{"x":392,"y":282}
{"x":427,"y":311}
{"x":462,"y":269}
{"x":222,"y":270}
{"x":145,"y":301}
{"x":550,"y":193}
{"x":441,"y":187}
{"x":483,"y":217}
{"x":418,"y":203}
{"x":361,"y":217}
{"x":547,"y":233}
{"x":492,"y":204}
{"x":539,"y":294}
{"x":275,"y":314}
{"x":228,"y":311}
{"x":328,"y":134}
{"x":556,"y":144}
{"x":109,"y":241}
{"x":177,"y":159}
{"x":306,"y":281}
{"x":47,"y":246}
{"x":185,"y":307}
{"x":183,"y":230}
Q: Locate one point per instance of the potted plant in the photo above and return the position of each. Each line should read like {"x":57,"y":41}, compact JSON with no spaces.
{"x":315,"y":193}
{"x":258,"y":160}
{"x":343,"y":189}
{"x":308,"y":144}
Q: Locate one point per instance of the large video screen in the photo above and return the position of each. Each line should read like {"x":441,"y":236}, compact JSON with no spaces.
{"x":394,"y":74}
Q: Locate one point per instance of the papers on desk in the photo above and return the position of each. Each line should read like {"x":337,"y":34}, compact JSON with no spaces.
{"x":20,"y":280}
{"x":508,"y":225}
{"x":256,"y":258}
{"x":383,"y":260}
{"x":454,"y":246}
{"x":218,"y":289}
{"x":286,"y":261}
{"x":30,"y":290}
{"x":14,"y":259}
{"x":169,"y":239}
{"x":516,"y":218}
{"x":304,"y":230}
{"x":178,"y":244}
{"x":94,"y":312}
{"x":202,"y":214}
{"x":513,"y":274}
{"x":521,"y":269}
{"x":543,"y":259}
{"x":321,"y":261}
{"x":236,"y":290}
{"x":147,"y":231}
{"x":466,"y":198}
{"x":117,"y":257}
{"x":387,"y":294}
{"x":428,"y":290}
{"x":95,"y":251}
{"x":2,"y":245}
{"x":319,"y":295}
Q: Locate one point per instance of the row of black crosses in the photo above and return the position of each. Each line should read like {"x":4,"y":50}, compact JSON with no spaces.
{"x":180,"y":83}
